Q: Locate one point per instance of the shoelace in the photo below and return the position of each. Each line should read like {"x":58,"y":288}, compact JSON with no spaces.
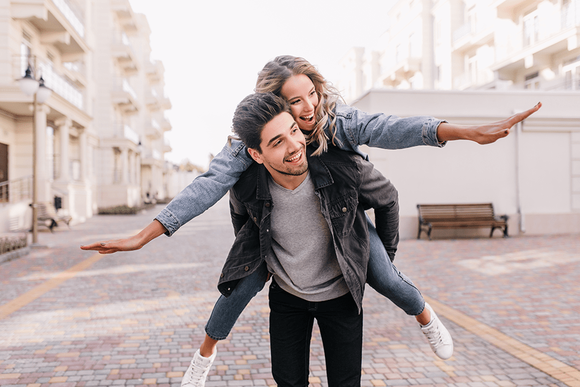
{"x":434,"y":336}
{"x":196,"y":371}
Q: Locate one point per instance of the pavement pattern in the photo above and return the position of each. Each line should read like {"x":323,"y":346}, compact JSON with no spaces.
{"x":74,"y":318}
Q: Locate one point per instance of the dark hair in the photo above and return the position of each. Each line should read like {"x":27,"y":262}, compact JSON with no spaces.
{"x":253,"y":113}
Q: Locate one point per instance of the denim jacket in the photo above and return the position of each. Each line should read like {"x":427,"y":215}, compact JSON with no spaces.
{"x":353,"y":128}
{"x":346,"y":185}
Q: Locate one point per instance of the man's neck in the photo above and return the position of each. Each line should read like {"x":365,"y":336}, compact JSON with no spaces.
{"x":288,"y":181}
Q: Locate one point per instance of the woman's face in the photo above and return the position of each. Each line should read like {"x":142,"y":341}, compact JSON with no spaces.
{"x":300,"y":93}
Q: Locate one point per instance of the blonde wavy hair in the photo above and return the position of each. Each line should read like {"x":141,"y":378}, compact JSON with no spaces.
{"x":276,"y":72}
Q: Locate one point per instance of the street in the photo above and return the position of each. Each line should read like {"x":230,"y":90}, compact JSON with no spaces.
{"x":76,"y":318}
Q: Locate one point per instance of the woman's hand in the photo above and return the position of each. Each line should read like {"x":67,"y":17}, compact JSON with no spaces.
{"x":113,"y":246}
{"x":483,"y":134}
{"x":135,"y":242}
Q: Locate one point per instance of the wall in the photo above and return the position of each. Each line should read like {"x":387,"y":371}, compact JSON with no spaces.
{"x":528,"y":172}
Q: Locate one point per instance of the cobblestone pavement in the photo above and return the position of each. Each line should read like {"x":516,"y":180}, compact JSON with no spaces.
{"x":75,"y":318}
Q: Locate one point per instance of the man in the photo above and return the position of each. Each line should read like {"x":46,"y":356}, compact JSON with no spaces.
{"x":304,"y":216}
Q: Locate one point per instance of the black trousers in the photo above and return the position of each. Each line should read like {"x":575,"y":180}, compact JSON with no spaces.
{"x":291,"y":322}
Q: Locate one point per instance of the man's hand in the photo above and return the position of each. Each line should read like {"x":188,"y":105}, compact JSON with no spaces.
{"x":483,"y":134}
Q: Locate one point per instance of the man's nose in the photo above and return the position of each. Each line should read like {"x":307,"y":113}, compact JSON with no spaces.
{"x":295,"y":144}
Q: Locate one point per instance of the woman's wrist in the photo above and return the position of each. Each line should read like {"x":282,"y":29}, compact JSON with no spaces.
{"x":451,"y":132}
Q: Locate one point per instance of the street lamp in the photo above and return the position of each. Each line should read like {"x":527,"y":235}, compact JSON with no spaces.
{"x":31,"y":87}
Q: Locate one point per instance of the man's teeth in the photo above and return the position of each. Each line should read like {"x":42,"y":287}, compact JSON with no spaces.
{"x":295,"y":157}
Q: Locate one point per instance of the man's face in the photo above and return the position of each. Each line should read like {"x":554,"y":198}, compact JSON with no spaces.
{"x":283,"y":151}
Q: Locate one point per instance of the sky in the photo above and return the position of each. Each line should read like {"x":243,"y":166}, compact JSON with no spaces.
{"x":212,"y":52}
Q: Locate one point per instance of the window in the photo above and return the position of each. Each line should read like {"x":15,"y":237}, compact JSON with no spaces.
{"x":25,"y":54}
{"x":572,"y":75}
{"x":532,"y":81}
{"x":471,"y":69}
{"x":531,"y":28}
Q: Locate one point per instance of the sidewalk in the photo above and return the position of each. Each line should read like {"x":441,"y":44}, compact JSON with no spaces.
{"x":75,"y":318}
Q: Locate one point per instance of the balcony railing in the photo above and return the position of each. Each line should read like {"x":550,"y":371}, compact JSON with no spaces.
{"x":13,"y":191}
{"x":125,"y":131}
{"x":74,"y":18}
{"x":127,"y":88}
{"x":570,"y":14}
{"x":60,"y":85}
{"x":52,"y":78}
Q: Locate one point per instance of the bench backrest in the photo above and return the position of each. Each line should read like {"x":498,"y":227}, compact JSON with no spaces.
{"x":429,"y":212}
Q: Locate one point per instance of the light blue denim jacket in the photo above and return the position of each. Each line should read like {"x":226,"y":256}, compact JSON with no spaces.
{"x":353,"y":128}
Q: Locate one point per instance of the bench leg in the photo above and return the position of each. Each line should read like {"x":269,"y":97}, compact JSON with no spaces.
{"x":505,"y":231}
{"x":429,"y":232}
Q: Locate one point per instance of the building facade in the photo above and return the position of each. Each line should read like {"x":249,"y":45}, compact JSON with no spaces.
{"x":472,"y":62}
{"x":100,"y":136}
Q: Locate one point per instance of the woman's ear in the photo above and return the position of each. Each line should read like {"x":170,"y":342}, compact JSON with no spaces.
{"x":256,"y":155}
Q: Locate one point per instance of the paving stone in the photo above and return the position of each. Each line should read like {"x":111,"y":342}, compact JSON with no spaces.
{"x":141,"y":315}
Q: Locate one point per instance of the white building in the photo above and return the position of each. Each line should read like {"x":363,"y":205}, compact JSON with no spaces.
{"x":471,"y":62}
{"x":99,"y":137}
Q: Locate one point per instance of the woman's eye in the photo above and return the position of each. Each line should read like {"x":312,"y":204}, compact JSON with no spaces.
{"x":294,"y":102}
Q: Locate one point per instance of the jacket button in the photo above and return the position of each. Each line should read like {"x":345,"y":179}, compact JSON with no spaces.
{"x":343,"y":209}
{"x":267,"y":204}
{"x":222,"y":275}
{"x":255,"y":219}
{"x":246,"y":268}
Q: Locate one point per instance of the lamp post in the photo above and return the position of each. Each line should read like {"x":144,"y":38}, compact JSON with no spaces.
{"x":36,"y":88}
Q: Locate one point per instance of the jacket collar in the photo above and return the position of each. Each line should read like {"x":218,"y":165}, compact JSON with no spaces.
{"x":319,"y":173}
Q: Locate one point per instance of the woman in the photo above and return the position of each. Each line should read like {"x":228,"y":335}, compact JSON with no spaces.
{"x":315,"y":108}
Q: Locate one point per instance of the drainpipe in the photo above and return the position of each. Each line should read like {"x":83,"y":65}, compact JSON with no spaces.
{"x":522,"y":220}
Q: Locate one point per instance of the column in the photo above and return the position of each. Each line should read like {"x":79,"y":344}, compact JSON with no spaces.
{"x":124,"y":165}
{"x":64,"y":125}
{"x":83,"y":143}
{"x":42,"y":180}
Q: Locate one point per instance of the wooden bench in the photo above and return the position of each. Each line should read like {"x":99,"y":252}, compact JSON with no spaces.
{"x":48,"y":217}
{"x":459,"y":216}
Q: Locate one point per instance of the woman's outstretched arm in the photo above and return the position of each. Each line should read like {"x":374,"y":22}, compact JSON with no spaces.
{"x":135,"y":242}
{"x":482,"y":134}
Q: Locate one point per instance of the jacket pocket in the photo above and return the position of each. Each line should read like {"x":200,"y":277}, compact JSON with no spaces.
{"x":342,"y":214}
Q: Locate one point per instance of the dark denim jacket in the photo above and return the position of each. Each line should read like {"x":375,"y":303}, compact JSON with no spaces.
{"x":347,"y":185}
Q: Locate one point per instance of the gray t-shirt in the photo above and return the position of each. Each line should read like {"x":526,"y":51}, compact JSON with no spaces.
{"x":304,"y":261}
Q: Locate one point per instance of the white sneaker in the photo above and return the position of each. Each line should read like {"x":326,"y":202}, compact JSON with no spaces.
{"x":198,"y":369}
{"x":438,"y":336}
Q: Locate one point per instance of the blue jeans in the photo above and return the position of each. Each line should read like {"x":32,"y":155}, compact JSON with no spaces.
{"x":382,"y":276}
{"x":341,"y":329}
